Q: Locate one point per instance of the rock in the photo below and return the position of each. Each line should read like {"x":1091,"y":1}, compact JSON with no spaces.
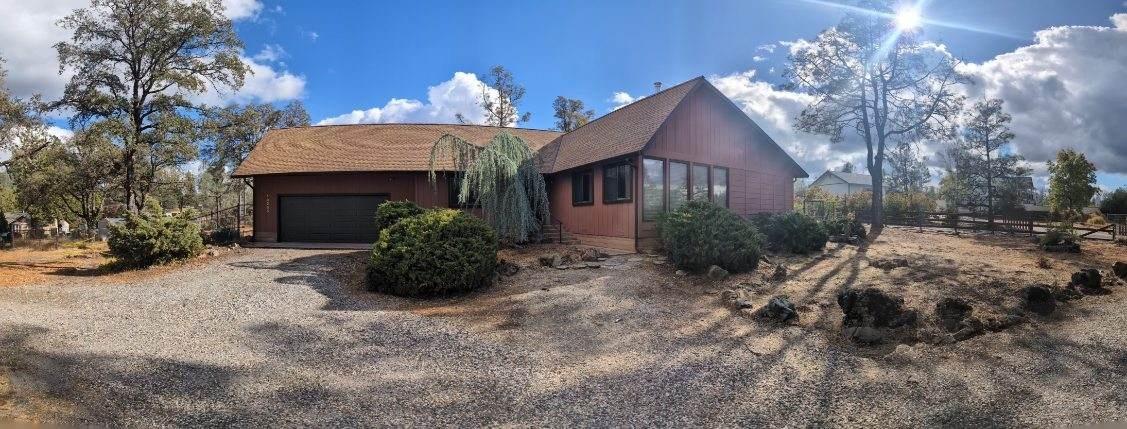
{"x":550,"y":260}
{"x":969,"y":328}
{"x":717,"y":273}
{"x":904,"y":353}
{"x":741,"y":303}
{"x":780,"y":273}
{"x":590,"y":254}
{"x":1038,"y":299}
{"x":1120,"y":270}
{"x":681,"y":273}
{"x":873,"y":308}
{"x":951,"y":313}
{"x":212,"y":252}
{"x":866,"y":335}
{"x":888,"y":264}
{"x":507,"y":269}
{"x":1067,"y":294}
{"x":1087,"y":278}
{"x":779,"y":308}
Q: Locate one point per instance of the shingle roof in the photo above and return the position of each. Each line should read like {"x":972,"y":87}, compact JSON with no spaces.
{"x":851,"y":178}
{"x":366,"y":147}
{"x":620,"y":132}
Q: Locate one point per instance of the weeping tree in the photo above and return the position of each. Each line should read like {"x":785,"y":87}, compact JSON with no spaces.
{"x":502,"y":178}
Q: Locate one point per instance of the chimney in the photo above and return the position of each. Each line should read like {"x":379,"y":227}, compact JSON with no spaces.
{"x":657,"y":87}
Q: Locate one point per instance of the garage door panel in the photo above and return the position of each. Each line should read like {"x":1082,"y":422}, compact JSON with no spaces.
{"x":328,"y":218}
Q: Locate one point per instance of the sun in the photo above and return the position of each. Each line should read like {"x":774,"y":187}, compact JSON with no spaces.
{"x":908,"y":18}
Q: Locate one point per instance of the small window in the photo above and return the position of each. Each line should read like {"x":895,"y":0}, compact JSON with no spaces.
{"x":618,"y":183}
{"x":720,"y":186}
{"x":653,"y":188}
{"x":453,"y":187}
{"x":582,"y":188}
{"x":678,"y":184}
{"x":700,"y":182}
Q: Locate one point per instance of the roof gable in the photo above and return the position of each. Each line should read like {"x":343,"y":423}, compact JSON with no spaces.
{"x":623,"y":131}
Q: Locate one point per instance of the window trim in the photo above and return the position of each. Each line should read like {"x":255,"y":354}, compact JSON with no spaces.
{"x":590,"y":184}
{"x":727,"y":186}
{"x":629,"y":182}
{"x":664,"y":186}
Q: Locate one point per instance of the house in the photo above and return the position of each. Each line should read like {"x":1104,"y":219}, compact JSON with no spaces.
{"x":841,"y":184}
{"x":19,"y":224}
{"x":608,"y":181}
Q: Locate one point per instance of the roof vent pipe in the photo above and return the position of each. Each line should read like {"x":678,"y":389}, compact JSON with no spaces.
{"x":657,"y":87}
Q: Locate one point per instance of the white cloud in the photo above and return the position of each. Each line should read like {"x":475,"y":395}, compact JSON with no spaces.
{"x":1066,"y":90}
{"x":461,"y":94}
{"x":768,"y":48}
{"x":270,"y":53}
{"x":775,"y":111}
{"x":622,"y":98}
{"x":29,"y":33}
{"x":758,"y":59}
{"x":263,"y":84}
{"x":241,"y":9}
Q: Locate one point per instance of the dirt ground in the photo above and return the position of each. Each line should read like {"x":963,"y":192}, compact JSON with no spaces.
{"x":46,"y":263}
{"x":287,"y":337}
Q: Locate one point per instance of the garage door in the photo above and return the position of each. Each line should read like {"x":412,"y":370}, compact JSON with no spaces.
{"x":328,"y":218}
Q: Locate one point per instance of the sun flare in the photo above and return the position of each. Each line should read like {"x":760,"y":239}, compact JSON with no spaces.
{"x":908,"y":18}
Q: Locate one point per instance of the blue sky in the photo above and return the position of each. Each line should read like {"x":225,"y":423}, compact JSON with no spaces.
{"x":1058,"y":65}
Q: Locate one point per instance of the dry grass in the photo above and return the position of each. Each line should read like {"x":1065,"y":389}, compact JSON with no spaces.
{"x":48,"y":263}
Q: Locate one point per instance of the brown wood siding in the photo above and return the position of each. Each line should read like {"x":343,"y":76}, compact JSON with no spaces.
{"x":412,"y":186}
{"x":598,"y":219}
{"x":706,"y":129}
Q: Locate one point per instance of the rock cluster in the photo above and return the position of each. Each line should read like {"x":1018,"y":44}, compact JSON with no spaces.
{"x":870,"y":315}
{"x":574,"y":258}
{"x":888,"y":264}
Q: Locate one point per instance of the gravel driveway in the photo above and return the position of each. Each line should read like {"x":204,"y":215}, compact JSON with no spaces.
{"x":282,"y":337}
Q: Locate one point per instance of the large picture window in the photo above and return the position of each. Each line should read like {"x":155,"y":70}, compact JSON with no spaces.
{"x":653,"y":188}
{"x":720,"y":186}
{"x":700,"y":182}
{"x":582,"y":188}
{"x":618,"y":183}
{"x":678,"y":184}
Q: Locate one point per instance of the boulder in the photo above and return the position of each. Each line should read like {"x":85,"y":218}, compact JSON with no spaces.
{"x":551,"y":260}
{"x":1087,"y":278}
{"x":780,"y":308}
{"x":717,"y":273}
{"x":1120,"y":270}
{"x":873,"y":308}
{"x":591,"y":254}
{"x":780,"y":273}
{"x":951,"y":313}
{"x":1039,"y":299}
{"x":507,"y":269}
{"x":888,"y":264}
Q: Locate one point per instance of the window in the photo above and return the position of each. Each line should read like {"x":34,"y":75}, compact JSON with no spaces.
{"x":582,"y":188}
{"x":653,"y":188}
{"x":618,"y":183}
{"x":678,"y":184}
{"x":700,"y":182}
{"x":720,"y":186}
{"x":453,"y":187}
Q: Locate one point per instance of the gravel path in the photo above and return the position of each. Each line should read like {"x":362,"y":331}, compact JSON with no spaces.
{"x":281,"y":337}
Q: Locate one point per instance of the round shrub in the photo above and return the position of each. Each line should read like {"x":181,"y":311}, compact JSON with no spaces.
{"x":390,"y":212}
{"x":794,"y":232}
{"x":438,"y":252}
{"x":700,"y":234}
{"x":149,"y":238}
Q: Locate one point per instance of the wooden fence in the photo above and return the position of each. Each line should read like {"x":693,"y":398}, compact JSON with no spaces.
{"x":1007,"y":224}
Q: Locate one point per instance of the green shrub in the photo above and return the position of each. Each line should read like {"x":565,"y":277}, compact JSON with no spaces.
{"x":223,"y":236}
{"x":700,"y":234}
{"x":846,"y":226}
{"x":792,"y":232}
{"x":150,"y":238}
{"x":391,"y":212}
{"x":1060,"y":234}
{"x":435,"y":253}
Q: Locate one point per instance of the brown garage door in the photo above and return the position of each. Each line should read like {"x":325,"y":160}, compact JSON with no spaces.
{"x":328,"y":218}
